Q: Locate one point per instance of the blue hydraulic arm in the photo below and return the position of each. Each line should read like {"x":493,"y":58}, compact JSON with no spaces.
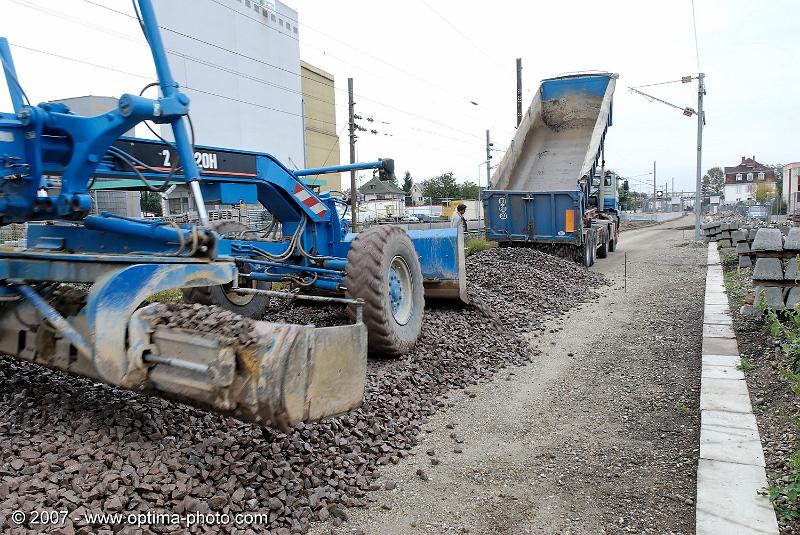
{"x":385,"y":166}
{"x":169,"y":88}
{"x":48,"y":135}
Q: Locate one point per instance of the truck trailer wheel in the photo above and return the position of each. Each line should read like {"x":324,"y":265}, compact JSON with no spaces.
{"x":602,"y":251}
{"x":251,"y":306}
{"x":588,"y":250}
{"x":383,"y":269}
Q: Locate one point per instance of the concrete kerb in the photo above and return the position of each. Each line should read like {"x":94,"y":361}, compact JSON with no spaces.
{"x":730,"y":473}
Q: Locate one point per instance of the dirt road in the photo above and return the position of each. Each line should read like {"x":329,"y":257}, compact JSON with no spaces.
{"x":598,"y":435}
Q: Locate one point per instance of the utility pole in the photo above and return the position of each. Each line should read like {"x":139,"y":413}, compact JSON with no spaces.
{"x":488,"y":158}
{"x":698,"y":200}
{"x":654,"y":186}
{"x":519,"y":91}
{"x":352,"y":129}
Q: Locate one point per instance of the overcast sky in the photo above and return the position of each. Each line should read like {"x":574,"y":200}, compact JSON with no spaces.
{"x":419,"y":65}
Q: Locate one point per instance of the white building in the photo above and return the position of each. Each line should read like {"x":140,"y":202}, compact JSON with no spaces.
{"x":416,"y":195}
{"x":239,"y":63}
{"x":791,"y":187}
{"x":381,"y":200}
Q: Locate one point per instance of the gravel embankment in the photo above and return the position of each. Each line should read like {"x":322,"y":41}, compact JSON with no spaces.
{"x":68,"y":443}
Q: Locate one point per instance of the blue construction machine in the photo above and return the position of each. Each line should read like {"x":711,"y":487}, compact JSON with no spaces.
{"x":73,"y":298}
{"x":551,"y":189}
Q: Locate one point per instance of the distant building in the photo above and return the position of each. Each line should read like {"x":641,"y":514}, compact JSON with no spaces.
{"x":319,"y":123}
{"x":127,"y":203}
{"x":742,"y":181}
{"x":791,"y":187}
{"x":381,"y":200}
{"x":416,"y":195}
{"x":245,"y":90}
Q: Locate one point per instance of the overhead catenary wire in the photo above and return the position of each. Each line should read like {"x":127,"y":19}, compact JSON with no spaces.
{"x":467,"y":39}
{"x":211,"y":93}
{"x":658,"y":83}
{"x":142,"y":42}
{"x":152,"y":79}
{"x":182,"y":55}
{"x":359,"y":50}
{"x":696,"y":45}
{"x":289,"y":71}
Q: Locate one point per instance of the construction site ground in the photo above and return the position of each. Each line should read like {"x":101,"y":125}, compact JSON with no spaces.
{"x":561,"y":402}
{"x":599,"y":434}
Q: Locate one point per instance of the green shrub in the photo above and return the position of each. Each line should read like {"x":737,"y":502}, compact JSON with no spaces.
{"x":476,"y":245}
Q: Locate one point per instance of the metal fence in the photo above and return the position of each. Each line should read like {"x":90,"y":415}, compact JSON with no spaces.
{"x":14,"y":235}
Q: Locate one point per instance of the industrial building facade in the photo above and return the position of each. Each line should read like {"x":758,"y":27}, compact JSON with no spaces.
{"x":319,"y":115}
{"x":250,"y":91}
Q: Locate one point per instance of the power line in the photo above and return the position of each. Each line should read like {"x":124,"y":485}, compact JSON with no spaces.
{"x":173,"y":52}
{"x":150,"y":78}
{"x":389,"y":106}
{"x":467,"y":39}
{"x":382,"y":61}
{"x":696,"y":46}
{"x":226,"y":97}
{"x":224,"y":69}
{"x":289,"y":71}
{"x":658,"y":83}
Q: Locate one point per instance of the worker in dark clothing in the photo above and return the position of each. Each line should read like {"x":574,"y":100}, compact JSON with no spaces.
{"x":458,"y":217}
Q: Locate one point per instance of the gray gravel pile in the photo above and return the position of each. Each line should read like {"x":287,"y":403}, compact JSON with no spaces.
{"x":206,"y":319}
{"x":68,"y":443}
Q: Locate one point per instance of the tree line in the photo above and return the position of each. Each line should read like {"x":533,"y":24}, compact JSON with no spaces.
{"x":444,"y":186}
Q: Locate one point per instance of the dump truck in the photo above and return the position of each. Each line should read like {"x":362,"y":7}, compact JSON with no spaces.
{"x":551,"y":190}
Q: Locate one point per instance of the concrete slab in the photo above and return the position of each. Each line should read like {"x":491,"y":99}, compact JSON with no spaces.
{"x":715,"y":291}
{"x":727,"y":387}
{"x":724,"y":401}
{"x":717,"y":319}
{"x":792,"y":269}
{"x":745,"y":262}
{"x":738,"y":236}
{"x":717,"y":299}
{"x":772,"y":295}
{"x":720,"y":346}
{"x":718,"y":331}
{"x":717,"y":309}
{"x":721,"y":372}
{"x":768,"y":239}
{"x":720,"y":360}
{"x":728,"y":501}
{"x":793,"y":239}
{"x":731,"y":437}
{"x":768,"y":269}
{"x":793,"y":298}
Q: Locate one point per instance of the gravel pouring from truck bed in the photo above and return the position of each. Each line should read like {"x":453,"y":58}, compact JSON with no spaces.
{"x":69,"y":443}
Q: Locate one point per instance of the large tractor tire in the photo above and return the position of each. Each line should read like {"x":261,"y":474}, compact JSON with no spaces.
{"x":251,"y":306}
{"x":383,"y":269}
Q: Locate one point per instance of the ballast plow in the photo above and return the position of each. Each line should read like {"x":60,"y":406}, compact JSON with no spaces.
{"x":75,"y":297}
